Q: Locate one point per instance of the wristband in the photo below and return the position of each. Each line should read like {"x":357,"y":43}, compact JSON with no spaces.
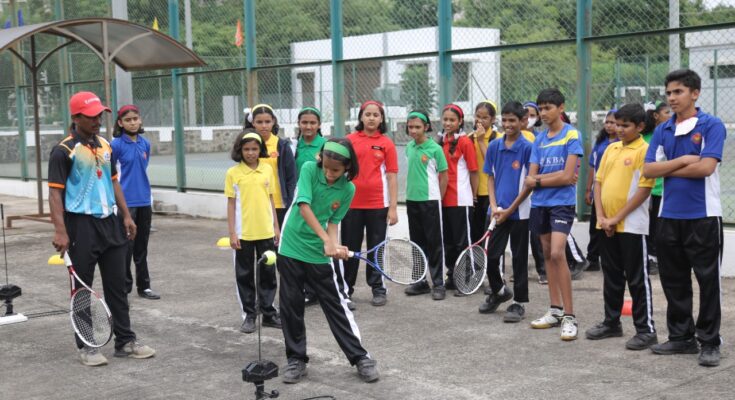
{"x":538,"y":182}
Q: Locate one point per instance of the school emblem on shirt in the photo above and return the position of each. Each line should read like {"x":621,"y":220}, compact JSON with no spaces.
{"x":516,"y":164}
{"x":697,"y":138}
{"x":335,"y":205}
{"x":424,"y":158}
{"x":627,"y":162}
{"x":378,"y":154}
{"x":274,"y":154}
{"x":106,"y":156}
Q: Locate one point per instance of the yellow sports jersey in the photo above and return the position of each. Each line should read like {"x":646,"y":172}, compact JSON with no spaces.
{"x":482,"y":176}
{"x":252,"y":190}
{"x":272,"y":160}
{"x":620,"y":174}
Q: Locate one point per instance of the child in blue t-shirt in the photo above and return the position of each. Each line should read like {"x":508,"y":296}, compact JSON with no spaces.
{"x":686,"y":151}
{"x":552,"y":176}
{"x":132,"y":151}
{"x":506,"y":164}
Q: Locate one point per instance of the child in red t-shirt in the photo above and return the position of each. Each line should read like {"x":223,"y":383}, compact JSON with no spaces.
{"x":376,"y":196}
{"x":461,"y":194}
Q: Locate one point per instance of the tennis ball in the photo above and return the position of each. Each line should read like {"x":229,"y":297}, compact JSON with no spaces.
{"x":223,"y":243}
{"x":55,"y":260}
{"x":270,"y":257}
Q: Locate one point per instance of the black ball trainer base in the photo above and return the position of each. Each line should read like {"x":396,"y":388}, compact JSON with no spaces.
{"x":257,"y":372}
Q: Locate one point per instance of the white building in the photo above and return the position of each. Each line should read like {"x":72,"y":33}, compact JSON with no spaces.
{"x":709,"y":49}
{"x":476,"y":76}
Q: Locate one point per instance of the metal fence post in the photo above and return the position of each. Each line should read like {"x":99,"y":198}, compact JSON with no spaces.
{"x":18,"y":70}
{"x":445,"y":59}
{"x":714,"y":84}
{"x":584,"y":81}
{"x":250,"y":52}
{"x":173,"y":31}
{"x":338,"y":72}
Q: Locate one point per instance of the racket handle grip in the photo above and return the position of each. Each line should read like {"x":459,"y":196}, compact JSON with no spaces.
{"x":67,"y":260}
{"x":350,"y":254}
{"x":494,"y":221}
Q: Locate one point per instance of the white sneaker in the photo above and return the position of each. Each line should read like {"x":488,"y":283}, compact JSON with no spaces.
{"x":568,"y":328}
{"x":91,"y":357}
{"x":134,"y":349}
{"x":551,"y":319}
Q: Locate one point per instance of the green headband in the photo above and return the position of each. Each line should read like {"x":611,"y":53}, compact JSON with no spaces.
{"x":318,"y":114}
{"x":416,"y":114}
{"x":252,"y":135}
{"x":338,"y":148}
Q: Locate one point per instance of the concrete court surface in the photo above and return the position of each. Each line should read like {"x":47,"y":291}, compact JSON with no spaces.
{"x":426,"y":349}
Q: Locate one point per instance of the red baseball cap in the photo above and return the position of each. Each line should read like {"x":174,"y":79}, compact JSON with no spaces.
{"x":86,"y":103}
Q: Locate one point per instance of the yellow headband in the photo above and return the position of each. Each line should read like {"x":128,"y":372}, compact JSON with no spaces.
{"x":264,"y":106}
{"x":492,"y":103}
{"x":252,"y":135}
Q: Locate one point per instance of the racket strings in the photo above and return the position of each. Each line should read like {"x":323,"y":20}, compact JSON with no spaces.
{"x":402,"y":261}
{"x":90,"y":318}
{"x":470,"y":269}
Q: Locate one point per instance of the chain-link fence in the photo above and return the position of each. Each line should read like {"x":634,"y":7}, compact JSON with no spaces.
{"x":391,"y":51}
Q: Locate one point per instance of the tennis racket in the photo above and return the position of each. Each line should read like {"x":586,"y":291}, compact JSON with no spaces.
{"x":471,"y":265}
{"x":400,"y":260}
{"x":90,"y":317}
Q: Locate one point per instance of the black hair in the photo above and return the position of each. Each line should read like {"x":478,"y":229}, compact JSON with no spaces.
{"x":262,"y":110}
{"x":686,"y":77}
{"x":651,"y":119}
{"x":565,"y":118}
{"x":352,"y":167}
{"x":487,"y":106}
{"x":118,"y":130}
{"x":602,"y":134}
{"x":307,"y":111}
{"x":427,"y":125}
{"x":631,"y":113}
{"x":550,"y":96}
{"x":236,"y":153}
{"x":382,"y":127}
{"x":515,"y":108}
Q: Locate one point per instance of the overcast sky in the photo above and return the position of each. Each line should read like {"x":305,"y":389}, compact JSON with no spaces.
{"x":712,"y":3}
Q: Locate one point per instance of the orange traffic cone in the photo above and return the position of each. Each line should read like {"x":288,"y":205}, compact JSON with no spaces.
{"x":627,"y":308}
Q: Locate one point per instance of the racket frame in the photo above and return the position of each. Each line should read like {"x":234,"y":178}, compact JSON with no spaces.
{"x":73,"y":278}
{"x":363,"y":255}
{"x":485,"y":239}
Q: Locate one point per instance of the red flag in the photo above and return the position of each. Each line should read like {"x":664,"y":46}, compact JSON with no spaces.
{"x":238,"y":34}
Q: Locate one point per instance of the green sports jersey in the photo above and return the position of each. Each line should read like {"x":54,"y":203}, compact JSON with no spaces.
{"x":425,"y":162}
{"x":308,"y":151}
{"x":329,"y":204}
{"x":658,"y":188}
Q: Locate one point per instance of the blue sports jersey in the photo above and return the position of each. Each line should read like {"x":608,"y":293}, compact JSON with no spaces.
{"x":84,"y":171}
{"x":132,"y":161}
{"x":551,"y":155}
{"x":509,"y":167}
{"x":597,"y":151}
{"x":689,"y":198}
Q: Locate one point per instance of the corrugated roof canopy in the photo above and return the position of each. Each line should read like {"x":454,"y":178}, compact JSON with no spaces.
{"x":133,"y":47}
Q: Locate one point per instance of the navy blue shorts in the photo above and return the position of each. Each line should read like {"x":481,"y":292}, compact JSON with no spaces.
{"x":545,"y":220}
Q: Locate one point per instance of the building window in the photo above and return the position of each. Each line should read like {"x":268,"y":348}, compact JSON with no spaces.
{"x":723,"y":71}
{"x":461,"y":81}
{"x":307,"y":88}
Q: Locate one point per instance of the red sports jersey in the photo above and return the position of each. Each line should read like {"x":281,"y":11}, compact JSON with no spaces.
{"x":376,"y":156}
{"x":461,"y":163}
